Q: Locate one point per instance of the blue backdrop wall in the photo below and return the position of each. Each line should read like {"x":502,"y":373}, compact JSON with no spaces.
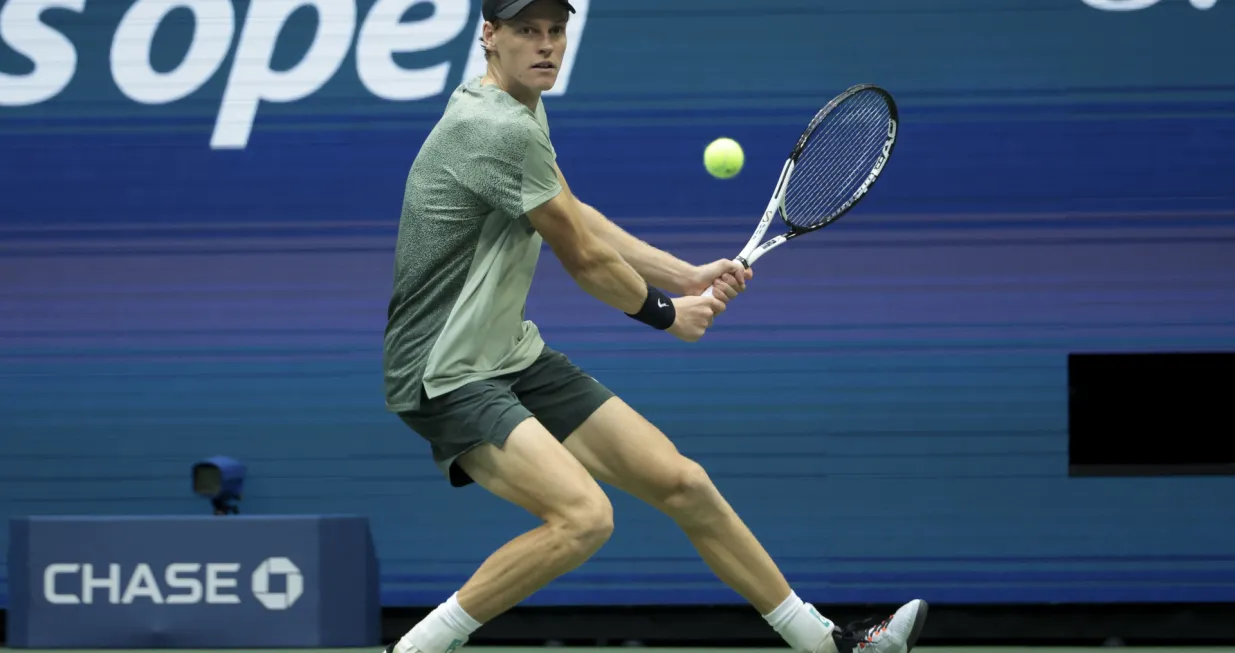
{"x":198,"y":211}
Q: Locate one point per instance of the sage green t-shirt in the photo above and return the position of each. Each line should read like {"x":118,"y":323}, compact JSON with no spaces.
{"x":466,"y":252}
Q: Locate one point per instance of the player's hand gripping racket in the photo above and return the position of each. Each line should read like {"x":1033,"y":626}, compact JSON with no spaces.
{"x":832,"y":167}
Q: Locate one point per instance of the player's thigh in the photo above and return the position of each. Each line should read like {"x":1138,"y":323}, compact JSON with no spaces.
{"x":620,"y":447}
{"x":612,"y":441}
{"x":482,"y":433}
{"x":533,"y":470}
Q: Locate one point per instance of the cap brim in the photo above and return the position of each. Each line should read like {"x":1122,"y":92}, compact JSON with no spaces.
{"x":511,"y":10}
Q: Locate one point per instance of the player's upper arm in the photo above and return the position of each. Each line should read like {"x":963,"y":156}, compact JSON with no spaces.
{"x":560,"y":223}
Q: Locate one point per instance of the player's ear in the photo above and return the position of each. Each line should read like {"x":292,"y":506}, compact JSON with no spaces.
{"x":487,"y":33}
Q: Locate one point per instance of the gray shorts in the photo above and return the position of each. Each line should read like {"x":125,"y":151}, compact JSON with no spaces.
{"x":553,"y":390}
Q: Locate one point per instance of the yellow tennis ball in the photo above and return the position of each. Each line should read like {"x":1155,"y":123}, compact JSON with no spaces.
{"x":723,"y":158}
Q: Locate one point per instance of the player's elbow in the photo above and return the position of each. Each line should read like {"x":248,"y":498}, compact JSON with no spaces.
{"x":560,"y":223}
{"x":587,"y":258}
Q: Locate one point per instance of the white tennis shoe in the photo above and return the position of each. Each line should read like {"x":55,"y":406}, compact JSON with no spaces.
{"x":897,"y":633}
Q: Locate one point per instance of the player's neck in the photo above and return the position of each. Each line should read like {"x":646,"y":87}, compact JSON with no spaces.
{"x":528,"y":97}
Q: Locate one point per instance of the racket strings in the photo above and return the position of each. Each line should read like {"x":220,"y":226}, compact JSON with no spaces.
{"x":838,"y":157}
{"x":837,"y":160}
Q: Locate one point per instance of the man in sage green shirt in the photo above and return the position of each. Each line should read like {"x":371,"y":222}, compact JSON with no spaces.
{"x":467,"y":252}
{"x":471,"y":375}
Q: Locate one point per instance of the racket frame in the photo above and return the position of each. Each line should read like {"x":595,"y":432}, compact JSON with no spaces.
{"x":756,"y":247}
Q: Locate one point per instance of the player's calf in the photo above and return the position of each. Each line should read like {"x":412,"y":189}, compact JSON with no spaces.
{"x":574,"y":529}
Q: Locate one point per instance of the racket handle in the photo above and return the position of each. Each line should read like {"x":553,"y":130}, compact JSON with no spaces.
{"x":708,"y":292}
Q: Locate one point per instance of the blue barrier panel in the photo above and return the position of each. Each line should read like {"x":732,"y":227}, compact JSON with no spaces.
{"x":192,"y":582}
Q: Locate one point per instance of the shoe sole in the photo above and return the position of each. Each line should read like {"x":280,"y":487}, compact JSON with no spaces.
{"x":919,"y":621}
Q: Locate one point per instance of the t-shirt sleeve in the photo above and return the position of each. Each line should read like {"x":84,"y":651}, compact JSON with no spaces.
{"x":540,"y":181}
{"x":512,"y":170}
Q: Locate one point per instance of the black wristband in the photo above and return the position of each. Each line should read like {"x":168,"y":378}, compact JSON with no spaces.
{"x":657,"y":310}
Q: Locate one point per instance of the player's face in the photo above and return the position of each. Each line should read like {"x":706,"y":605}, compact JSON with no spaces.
{"x":530,"y":46}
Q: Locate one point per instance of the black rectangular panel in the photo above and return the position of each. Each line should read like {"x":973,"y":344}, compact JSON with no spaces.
{"x":1151,"y":413}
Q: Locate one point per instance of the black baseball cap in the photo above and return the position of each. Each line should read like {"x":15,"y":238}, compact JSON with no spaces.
{"x":493,"y":10}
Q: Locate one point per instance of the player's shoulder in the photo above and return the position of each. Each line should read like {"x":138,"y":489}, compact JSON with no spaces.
{"x":487,"y":113}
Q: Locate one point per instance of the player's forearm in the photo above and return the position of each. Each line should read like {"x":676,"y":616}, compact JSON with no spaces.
{"x":660,"y":268}
{"x":602,"y":273}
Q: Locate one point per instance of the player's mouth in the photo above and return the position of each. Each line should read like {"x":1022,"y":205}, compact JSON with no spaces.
{"x":544,"y":65}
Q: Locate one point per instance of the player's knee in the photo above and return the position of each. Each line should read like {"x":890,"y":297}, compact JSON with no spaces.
{"x":586,"y":524}
{"x":689,"y":492}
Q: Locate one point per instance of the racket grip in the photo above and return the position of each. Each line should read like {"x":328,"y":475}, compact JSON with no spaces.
{"x":708,"y":292}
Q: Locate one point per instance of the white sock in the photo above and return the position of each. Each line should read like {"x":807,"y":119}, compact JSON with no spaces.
{"x":442,"y":631}
{"x":802,"y":627}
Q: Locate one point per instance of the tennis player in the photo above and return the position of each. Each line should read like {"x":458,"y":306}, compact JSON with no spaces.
{"x":500,"y":408}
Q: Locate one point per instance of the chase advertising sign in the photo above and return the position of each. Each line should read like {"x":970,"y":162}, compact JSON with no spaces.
{"x":190,"y":582}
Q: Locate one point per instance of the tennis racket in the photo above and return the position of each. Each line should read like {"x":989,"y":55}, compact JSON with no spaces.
{"x":833,"y":166}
